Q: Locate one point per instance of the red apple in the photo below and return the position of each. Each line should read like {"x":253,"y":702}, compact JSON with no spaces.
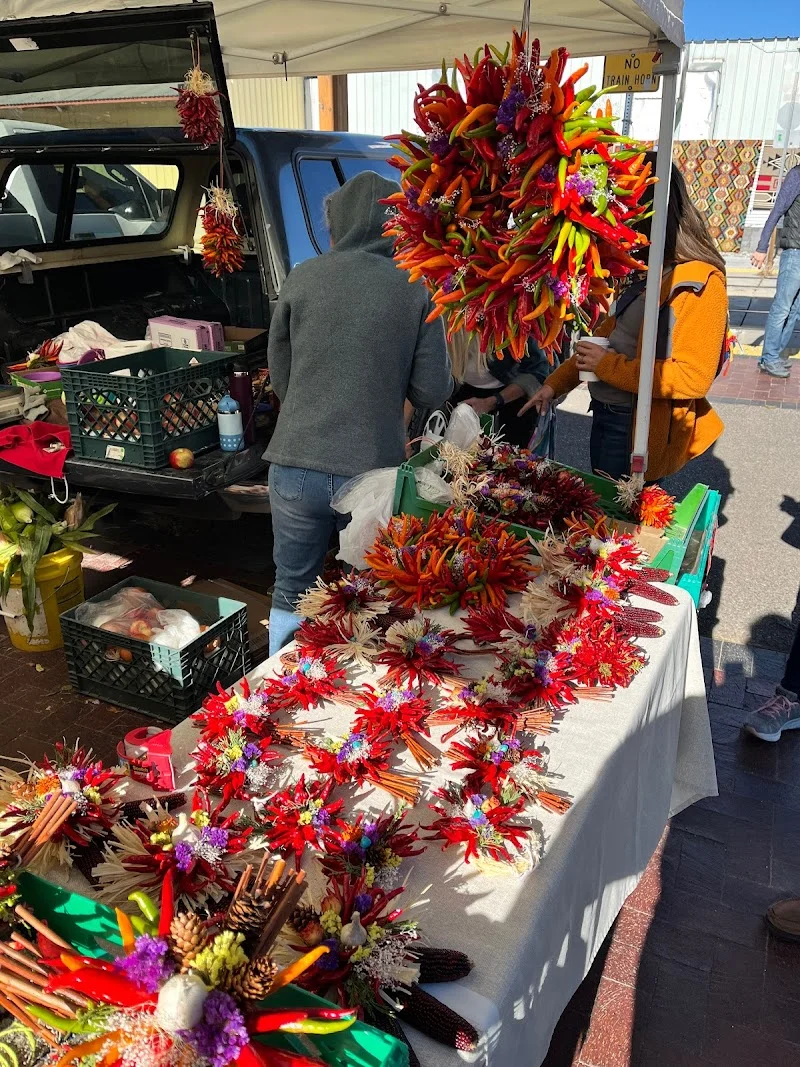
{"x":181,"y":458}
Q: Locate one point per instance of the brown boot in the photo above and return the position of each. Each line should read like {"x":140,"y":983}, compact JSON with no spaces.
{"x":783,"y":919}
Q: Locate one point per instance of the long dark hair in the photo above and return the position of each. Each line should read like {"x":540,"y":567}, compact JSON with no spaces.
{"x":687,"y":235}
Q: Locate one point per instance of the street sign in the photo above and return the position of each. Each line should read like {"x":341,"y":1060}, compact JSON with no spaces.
{"x":631,"y":71}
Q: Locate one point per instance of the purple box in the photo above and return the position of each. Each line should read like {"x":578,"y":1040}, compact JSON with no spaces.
{"x":190,"y":335}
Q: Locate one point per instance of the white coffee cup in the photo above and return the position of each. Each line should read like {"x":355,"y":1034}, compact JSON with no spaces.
{"x":589,"y":375}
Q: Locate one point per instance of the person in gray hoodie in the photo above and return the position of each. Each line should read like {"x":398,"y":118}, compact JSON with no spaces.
{"x":348,"y":345}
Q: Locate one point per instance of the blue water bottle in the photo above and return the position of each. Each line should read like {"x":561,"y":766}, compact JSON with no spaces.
{"x":229,"y":420}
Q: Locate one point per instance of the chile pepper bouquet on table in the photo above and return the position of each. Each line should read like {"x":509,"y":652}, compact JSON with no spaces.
{"x":183,"y":992}
{"x":518,"y":205}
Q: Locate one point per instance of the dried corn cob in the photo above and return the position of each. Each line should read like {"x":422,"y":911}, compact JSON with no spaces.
{"x":652,"y":574}
{"x":388,"y":1023}
{"x":641,"y":615}
{"x":652,"y":592}
{"x":433,"y":1018}
{"x":442,"y":964}
{"x":638,"y":629}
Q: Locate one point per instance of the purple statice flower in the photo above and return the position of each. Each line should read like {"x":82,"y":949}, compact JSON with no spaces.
{"x":505,"y":146}
{"x":76,"y":774}
{"x":508,"y":109}
{"x":330,"y":961}
{"x":390,"y":700}
{"x":438,"y":141}
{"x":321,"y":818}
{"x":541,"y":668}
{"x":222,"y":1033}
{"x":477,"y":800}
{"x":251,"y":751}
{"x":498,"y":756}
{"x":148,"y":965}
{"x":559,"y":288}
{"x":239,"y":765}
{"x":547,"y":175}
{"x":582,"y":186}
{"x":362,"y":903}
{"x":449,"y":283}
{"x":353,"y":743}
{"x":214,"y":836}
{"x":412,"y":196}
{"x":354,"y":849}
{"x":183,"y":856}
{"x":240,"y":717}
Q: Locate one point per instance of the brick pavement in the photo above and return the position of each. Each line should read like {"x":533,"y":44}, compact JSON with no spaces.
{"x":746,"y":384}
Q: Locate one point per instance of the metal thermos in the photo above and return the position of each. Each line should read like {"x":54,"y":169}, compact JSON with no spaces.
{"x":242,"y":391}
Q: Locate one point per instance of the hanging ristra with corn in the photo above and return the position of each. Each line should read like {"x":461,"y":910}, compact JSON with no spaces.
{"x":519,"y":204}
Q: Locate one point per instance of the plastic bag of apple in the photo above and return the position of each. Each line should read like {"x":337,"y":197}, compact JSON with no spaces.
{"x":133,"y":612}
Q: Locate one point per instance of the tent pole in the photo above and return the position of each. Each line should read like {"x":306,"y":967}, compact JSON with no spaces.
{"x":669,"y":69}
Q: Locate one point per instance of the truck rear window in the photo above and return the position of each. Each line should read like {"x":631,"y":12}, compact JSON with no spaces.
{"x":51,"y":205}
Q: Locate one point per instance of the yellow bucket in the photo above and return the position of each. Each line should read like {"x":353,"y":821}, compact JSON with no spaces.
{"x":59,"y":586}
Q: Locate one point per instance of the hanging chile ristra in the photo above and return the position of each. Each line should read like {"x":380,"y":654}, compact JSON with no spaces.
{"x":518,"y":205}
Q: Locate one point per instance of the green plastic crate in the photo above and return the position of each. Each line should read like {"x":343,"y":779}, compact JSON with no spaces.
{"x":686,"y":552}
{"x":92,"y":928}
{"x":137,"y":421}
{"x":166,"y":683}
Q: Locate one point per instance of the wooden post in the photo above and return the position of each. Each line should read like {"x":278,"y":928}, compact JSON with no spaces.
{"x":332,"y":101}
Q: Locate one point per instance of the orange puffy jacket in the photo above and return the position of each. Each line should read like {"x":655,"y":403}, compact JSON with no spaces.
{"x":682,"y":422}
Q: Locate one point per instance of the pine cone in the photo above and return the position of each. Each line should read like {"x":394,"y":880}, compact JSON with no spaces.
{"x":187,"y":937}
{"x":305,"y":921}
{"x":254,"y":981}
{"x":246,"y":915}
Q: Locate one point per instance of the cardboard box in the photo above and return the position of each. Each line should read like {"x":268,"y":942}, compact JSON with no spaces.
{"x":188,"y":335}
{"x":241,"y":339}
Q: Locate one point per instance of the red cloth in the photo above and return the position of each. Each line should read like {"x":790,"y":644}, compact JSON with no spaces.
{"x":25,"y":446}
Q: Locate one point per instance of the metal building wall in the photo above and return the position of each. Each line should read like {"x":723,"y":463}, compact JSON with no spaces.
{"x":756,"y":79}
{"x":268,"y":102}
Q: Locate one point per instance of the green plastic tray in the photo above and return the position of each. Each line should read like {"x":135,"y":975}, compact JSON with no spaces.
{"x":91,"y":926}
{"x":686,"y":552}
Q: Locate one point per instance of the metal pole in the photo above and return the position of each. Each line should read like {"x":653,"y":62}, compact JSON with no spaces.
{"x":627,"y":114}
{"x":669,"y":69}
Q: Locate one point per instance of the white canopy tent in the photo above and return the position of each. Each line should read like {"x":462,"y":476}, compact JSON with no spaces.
{"x":262,"y":38}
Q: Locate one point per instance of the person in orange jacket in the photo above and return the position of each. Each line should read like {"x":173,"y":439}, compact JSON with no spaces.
{"x":692,"y":340}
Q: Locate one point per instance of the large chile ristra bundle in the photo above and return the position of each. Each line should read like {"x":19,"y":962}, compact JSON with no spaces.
{"x":517,"y":205}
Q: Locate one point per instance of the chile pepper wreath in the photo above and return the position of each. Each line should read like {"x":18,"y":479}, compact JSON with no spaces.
{"x":517,"y":205}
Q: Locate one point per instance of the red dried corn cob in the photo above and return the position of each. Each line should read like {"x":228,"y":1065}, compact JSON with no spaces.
{"x":428,"y":1015}
{"x":639,"y":629}
{"x":641,"y":615}
{"x":652,"y":574}
{"x":652,"y":592}
{"x":442,"y":964}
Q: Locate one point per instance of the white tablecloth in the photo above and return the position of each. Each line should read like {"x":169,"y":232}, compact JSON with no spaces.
{"x":629,"y":764}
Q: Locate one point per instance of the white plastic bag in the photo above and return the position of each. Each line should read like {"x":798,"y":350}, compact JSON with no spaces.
{"x":464,"y":426}
{"x":368,"y":499}
{"x":133,"y":612}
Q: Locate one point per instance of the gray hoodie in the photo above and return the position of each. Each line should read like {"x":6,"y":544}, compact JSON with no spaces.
{"x":348,"y":343}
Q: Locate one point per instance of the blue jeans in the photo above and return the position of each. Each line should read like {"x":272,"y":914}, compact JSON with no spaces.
{"x":302,"y":524}
{"x":610,"y":443}
{"x":784,"y":313}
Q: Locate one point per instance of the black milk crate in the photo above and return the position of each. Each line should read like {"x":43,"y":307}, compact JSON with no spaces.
{"x":165,"y":683}
{"x":137,"y":421}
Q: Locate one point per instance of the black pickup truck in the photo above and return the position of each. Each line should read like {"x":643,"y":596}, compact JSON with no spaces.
{"x":97,"y":179}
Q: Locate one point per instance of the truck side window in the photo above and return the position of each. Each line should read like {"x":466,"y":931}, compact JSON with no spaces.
{"x":352,"y":165}
{"x":112,"y":202}
{"x":318,"y":179}
{"x":29,"y":205}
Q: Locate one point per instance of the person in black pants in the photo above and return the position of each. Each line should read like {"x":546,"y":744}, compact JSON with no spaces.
{"x":498,"y":387}
{"x":782,"y":712}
